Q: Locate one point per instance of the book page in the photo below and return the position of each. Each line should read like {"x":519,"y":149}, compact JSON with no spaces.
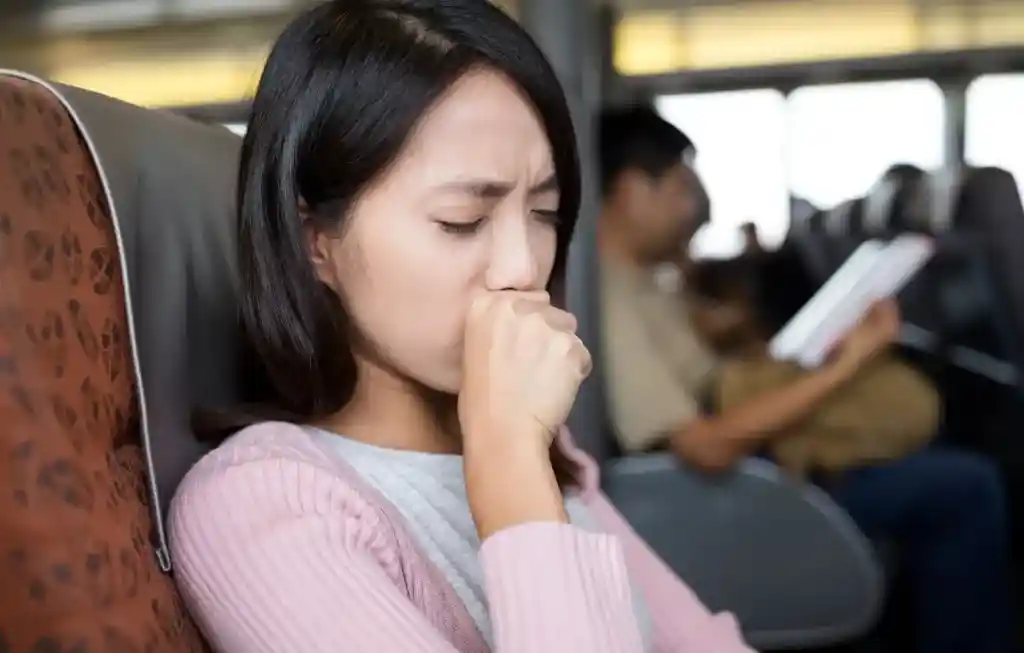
{"x":874,"y":271}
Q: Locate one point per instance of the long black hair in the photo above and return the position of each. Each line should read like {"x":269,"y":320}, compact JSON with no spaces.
{"x":345,"y":85}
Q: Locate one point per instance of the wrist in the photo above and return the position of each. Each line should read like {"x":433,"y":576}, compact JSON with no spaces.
{"x":529,"y":440}
{"x":510,"y":481}
{"x":508,"y":454}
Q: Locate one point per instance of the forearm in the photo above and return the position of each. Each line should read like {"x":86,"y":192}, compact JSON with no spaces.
{"x":717,"y":442}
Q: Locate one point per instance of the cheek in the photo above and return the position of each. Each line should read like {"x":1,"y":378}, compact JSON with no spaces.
{"x":675,"y":215}
{"x":545,"y":245}
{"x":410,"y":297}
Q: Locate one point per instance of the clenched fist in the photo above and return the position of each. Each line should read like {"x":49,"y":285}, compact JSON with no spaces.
{"x":522,"y":368}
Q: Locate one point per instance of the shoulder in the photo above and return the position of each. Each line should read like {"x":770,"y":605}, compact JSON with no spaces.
{"x":259,"y":445}
{"x":262,"y":450}
{"x":264,"y":476}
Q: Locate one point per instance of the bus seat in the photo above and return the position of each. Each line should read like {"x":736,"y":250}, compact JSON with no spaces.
{"x":79,"y":570}
{"x":981,"y":306}
{"x":837,"y":242}
{"x":970,"y":276}
{"x":908,"y":183}
{"x":958,"y":308}
{"x":990,"y":206}
{"x":875,"y":218}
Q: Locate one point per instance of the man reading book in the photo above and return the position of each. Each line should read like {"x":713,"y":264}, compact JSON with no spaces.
{"x":944,"y":509}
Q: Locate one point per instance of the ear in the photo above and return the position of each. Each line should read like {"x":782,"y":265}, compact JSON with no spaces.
{"x":320,"y":248}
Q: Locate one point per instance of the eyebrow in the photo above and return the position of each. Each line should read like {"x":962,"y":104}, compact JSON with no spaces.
{"x":491,"y":189}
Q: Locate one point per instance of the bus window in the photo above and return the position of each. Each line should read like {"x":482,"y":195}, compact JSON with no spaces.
{"x":843,"y":137}
{"x":995,"y":127}
{"x":739,"y":137}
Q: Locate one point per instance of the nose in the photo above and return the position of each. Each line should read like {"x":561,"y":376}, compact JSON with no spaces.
{"x":514,"y":263}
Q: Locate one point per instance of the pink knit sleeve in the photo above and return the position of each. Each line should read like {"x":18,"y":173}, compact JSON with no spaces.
{"x":277,"y":555}
{"x":681,"y":622}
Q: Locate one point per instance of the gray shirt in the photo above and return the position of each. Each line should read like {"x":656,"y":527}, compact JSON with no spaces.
{"x":429,"y":490}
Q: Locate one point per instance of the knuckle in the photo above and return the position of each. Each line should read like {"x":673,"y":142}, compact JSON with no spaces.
{"x":565,"y":343}
{"x":586,"y":367}
{"x":583,"y":355}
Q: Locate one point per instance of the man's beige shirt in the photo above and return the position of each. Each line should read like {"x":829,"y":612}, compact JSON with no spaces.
{"x":656,"y":366}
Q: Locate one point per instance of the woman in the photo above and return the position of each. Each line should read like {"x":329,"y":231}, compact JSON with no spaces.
{"x":409,"y":183}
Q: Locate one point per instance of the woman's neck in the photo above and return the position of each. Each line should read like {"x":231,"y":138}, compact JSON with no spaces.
{"x":394,"y":412}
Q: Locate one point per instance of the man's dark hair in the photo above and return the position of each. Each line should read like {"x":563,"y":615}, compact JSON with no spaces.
{"x":639,"y":138}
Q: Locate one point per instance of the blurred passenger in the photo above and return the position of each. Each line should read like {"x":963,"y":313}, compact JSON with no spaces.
{"x":944,"y":508}
{"x":409,"y":184}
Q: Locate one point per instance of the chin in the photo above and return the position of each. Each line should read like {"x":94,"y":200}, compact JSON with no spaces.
{"x":446,"y":383}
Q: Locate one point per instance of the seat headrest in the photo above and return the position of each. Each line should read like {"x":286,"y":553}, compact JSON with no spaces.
{"x":171,"y":185}
{"x":878,"y":205}
{"x":816,"y":221}
{"x":805,"y":220}
{"x":839,"y":220}
{"x":928,"y":204}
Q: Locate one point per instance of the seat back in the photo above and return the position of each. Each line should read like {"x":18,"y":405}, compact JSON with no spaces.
{"x":990,"y":207}
{"x":973,"y":304}
{"x":962,"y":306}
{"x":79,"y":570}
{"x":172,"y":185}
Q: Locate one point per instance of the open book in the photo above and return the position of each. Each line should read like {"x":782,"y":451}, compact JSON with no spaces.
{"x":874,"y":271}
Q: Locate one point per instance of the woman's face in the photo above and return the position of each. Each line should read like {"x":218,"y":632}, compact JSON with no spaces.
{"x":468,"y":207}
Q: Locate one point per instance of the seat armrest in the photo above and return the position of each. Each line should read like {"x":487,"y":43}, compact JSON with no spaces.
{"x":777,"y":553}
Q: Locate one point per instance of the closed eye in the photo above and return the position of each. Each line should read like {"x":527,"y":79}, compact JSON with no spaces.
{"x":461,"y":228}
{"x":548,"y":216}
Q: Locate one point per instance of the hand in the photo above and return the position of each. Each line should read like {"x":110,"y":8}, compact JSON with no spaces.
{"x":522,"y":368}
{"x":876,"y":332}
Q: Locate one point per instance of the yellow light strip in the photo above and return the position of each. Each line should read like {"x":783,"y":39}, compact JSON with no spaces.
{"x":168,"y":82}
{"x":733,"y":35}
{"x":998,"y":23}
{"x":650,"y":42}
{"x":748,"y":34}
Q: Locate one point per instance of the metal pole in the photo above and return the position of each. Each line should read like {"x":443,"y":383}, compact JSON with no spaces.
{"x":954,"y":94}
{"x":568,"y":32}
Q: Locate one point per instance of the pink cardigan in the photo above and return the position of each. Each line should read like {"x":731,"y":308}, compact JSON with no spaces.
{"x":281,"y":547}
